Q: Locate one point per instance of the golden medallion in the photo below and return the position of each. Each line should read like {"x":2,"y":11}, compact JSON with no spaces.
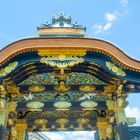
{"x":36,"y":88}
{"x":87,"y":88}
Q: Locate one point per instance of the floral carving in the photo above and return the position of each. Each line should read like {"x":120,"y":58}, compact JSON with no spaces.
{"x":83,"y":78}
{"x":38,"y":79}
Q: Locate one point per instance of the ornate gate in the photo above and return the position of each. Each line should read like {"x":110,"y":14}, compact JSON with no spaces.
{"x":62,"y":80}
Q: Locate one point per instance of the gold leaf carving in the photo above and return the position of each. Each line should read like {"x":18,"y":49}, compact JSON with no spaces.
{"x":62,"y":87}
{"x":65,"y":53}
{"x":109,"y":88}
{"x":12,"y":106}
{"x":13,"y":89}
{"x":36,"y":88}
{"x":55,"y":62}
{"x":117,"y":70}
{"x":8,"y":69}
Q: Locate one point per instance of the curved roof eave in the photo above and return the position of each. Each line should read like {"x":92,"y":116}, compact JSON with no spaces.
{"x":36,"y":43}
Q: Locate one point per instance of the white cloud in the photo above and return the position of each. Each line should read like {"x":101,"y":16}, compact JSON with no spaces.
{"x":124,"y":2}
{"x":107,"y":26}
{"x":75,"y":135}
{"x":132,"y":112}
{"x":102,"y":28}
{"x":110,"y":18}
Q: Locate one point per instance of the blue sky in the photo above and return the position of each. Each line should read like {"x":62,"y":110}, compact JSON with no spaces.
{"x":117,"y":21}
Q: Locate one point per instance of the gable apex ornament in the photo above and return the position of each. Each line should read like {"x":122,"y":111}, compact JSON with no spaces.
{"x":61,"y":25}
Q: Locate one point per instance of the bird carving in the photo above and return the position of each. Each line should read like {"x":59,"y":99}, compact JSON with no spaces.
{"x":86,"y":96}
{"x":29,"y":97}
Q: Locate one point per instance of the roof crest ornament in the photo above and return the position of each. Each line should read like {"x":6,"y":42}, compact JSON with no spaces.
{"x":61,"y":21}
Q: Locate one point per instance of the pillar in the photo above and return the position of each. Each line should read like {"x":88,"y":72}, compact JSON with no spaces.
{"x":118,"y":107}
{"x":20,"y":129}
{"x":122,"y":127}
{"x":105,"y":130}
{"x":3,"y":113}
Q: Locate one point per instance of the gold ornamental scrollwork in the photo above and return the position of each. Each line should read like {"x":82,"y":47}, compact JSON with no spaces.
{"x":62,"y":122}
{"x":8,"y":69}
{"x":13,"y":89}
{"x":87,"y":88}
{"x":56,"y":62}
{"x":62,"y":53}
{"x":115,"y":69}
{"x":42,"y":123}
{"x":3,"y":91}
{"x":81,"y":122}
{"x":109,"y":89}
{"x":62,"y":58}
{"x":62,"y":87}
{"x":12,"y":106}
{"x":36,"y":88}
{"x":112,"y":105}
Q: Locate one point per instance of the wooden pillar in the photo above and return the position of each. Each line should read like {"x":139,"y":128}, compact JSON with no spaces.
{"x":3,"y":112}
{"x":104,"y":129}
{"x":122,"y":126}
{"x":20,"y":129}
{"x":118,"y":107}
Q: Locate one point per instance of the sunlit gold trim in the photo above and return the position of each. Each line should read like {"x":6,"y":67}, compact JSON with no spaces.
{"x":29,"y":68}
{"x":93,"y":63}
{"x":90,"y":71}
{"x":93,"y":68}
{"x":62,"y":52}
